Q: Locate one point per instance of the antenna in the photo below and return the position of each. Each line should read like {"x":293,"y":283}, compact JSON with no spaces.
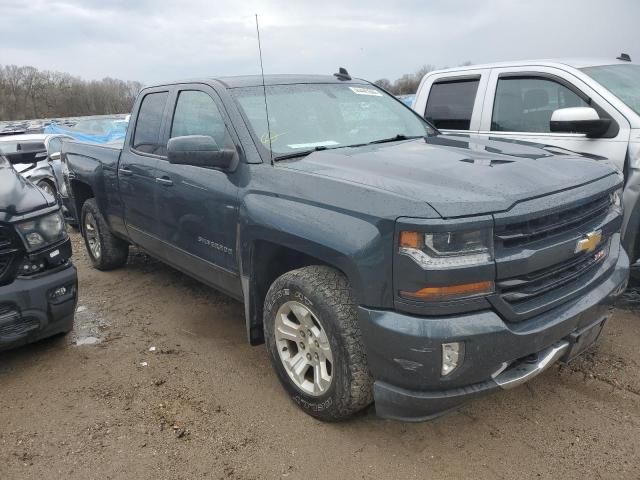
{"x":264,"y":91}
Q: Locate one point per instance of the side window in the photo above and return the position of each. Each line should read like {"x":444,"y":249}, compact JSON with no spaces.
{"x":450,"y":104}
{"x":526,"y":104}
{"x":197,"y":114}
{"x":147,"y":134}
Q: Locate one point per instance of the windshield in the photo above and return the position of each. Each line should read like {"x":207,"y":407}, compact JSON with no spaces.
{"x":621,"y":80}
{"x":304,"y":117}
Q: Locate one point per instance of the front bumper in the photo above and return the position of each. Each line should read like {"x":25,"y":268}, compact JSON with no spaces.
{"x":29,"y":313}
{"x":404,"y":351}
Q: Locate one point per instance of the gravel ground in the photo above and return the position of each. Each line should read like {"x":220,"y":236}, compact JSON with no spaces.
{"x":103,"y":403}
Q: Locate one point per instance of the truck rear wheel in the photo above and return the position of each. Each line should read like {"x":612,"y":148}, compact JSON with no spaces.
{"x":105,"y":250}
{"x":315,"y":344}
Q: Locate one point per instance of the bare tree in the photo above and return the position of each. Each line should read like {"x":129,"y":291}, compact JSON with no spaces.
{"x":408,"y":83}
{"x":26,"y":92}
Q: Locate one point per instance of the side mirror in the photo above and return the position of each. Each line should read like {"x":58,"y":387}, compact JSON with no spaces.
{"x":199,"y":151}
{"x":579,"y":120}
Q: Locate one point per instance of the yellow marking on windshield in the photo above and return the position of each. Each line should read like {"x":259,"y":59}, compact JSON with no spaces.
{"x":274,"y":136}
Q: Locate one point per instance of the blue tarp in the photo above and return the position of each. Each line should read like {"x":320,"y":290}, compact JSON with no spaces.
{"x":118,"y":132}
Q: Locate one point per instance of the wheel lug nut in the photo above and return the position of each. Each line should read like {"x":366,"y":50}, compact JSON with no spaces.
{"x":317,"y":344}
{"x":302,"y":345}
{"x":316,"y":356}
{"x":309,"y":356}
{"x":302,"y":333}
{"x":310,"y":333}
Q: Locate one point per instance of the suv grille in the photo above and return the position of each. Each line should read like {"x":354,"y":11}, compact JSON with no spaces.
{"x":522,"y":233}
{"x":8,"y":253}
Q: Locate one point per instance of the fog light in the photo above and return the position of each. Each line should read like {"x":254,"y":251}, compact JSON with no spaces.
{"x":58,"y":292}
{"x":452,"y":354}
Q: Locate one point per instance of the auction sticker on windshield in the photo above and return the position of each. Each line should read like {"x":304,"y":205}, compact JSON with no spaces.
{"x":326,"y":143}
{"x":365,"y":91}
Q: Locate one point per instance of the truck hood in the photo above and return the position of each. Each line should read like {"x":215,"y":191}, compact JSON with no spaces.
{"x":457,"y":175}
{"x":17,"y":195}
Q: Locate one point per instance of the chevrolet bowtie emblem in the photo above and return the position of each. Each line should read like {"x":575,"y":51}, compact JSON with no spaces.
{"x":590,"y":242}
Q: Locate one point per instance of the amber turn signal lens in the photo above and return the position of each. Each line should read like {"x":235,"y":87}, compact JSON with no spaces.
{"x":451,"y":292}
{"x":410,"y":240}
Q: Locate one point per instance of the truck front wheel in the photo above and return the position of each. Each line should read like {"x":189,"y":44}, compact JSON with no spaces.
{"x":105,"y":250}
{"x":314,"y":341}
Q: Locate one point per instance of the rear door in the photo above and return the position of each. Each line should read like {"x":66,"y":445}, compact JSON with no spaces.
{"x":520,"y":101}
{"x":144,"y":146}
{"x":198,"y":206}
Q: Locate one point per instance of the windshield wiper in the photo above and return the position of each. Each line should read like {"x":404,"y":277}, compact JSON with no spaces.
{"x":399,"y":136}
{"x":300,"y":153}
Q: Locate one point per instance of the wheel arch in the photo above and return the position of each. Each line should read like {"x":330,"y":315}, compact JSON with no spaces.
{"x":268,"y":260}
{"x":80,"y":193}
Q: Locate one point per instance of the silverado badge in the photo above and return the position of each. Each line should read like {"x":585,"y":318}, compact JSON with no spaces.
{"x":590,"y":242}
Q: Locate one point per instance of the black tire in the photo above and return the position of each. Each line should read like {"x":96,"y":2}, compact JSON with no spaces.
{"x":328,"y":294}
{"x":113,"y":251}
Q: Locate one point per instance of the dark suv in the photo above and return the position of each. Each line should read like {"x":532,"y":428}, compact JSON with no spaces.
{"x":38,"y":283}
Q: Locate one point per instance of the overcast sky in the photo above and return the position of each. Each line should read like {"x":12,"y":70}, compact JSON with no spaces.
{"x":150,"y":41}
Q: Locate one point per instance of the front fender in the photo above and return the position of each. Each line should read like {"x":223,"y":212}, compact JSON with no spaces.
{"x":356,"y":244}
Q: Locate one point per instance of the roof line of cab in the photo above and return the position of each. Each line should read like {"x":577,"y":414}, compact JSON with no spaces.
{"x":256,"y":80}
{"x":570,"y":62}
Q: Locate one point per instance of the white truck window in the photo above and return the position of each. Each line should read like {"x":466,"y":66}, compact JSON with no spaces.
{"x":450,"y":104}
{"x":526,"y":104}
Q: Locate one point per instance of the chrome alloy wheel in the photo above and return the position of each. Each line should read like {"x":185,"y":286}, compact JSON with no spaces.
{"x":91,"y":234}
{"x":304,"y":348}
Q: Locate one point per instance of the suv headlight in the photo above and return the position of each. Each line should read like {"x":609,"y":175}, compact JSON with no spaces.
{"x":615,"y":199}
{"x":42,"y":231}
{"x":448,"y":249}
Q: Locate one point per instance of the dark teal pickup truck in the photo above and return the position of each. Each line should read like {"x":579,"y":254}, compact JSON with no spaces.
{"x":379,"y":260}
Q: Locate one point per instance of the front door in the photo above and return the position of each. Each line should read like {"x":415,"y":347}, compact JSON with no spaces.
{"x":520,"y":105}
{"x":198,"y":206}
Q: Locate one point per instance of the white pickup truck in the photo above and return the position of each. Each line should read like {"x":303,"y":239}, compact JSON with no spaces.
{"x":583,"y":105}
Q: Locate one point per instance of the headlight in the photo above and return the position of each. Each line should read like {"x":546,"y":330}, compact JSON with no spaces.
{"x":42,"y":231}
{"x":615,"y":199}
{"x":448,"y":249}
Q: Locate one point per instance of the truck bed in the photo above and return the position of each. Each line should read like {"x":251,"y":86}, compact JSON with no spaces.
{"x":106,"y":154}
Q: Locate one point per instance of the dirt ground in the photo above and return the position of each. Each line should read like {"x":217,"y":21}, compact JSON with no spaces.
{"x":103,"y":403}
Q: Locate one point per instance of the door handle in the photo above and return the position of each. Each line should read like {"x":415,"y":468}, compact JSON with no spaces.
{"x":125,"y":172}
{"x":165,"y":181}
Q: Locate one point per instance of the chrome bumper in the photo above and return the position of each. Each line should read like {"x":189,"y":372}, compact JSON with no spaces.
{"x":526,"y":369}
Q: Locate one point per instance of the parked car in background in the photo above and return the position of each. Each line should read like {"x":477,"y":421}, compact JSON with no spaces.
{"x":38,"y":282}
{"x":43,"y":167}
{"x":583,"y":105}
{"x":37,"y":167}
{"x":97,"y":129}
{"x":407,"y":99}
{"x":378,"y":259}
